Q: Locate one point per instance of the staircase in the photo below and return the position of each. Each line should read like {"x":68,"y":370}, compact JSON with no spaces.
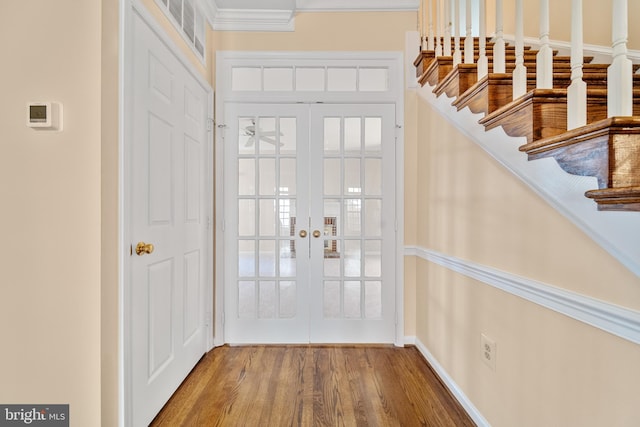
{"x":604,"y":144}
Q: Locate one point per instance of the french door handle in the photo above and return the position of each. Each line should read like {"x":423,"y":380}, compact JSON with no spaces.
{"x":303,"y":233}
{"x":316,"y":233}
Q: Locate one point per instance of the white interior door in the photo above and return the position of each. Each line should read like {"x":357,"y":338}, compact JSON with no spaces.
{"x":310,"y":223}
{"x":168,"y":170}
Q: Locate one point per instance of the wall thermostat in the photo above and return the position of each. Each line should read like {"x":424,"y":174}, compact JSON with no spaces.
{"x":44,"y":115}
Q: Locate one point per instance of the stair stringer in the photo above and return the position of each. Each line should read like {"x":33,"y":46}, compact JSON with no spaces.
{"x":617,"y":232}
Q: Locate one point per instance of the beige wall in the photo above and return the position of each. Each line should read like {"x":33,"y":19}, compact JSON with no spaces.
{"x":58,"y":277}
{"x":551,"y":370}
{"x":50,"y":216}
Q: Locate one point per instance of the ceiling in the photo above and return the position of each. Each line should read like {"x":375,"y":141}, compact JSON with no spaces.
{"x":279,"y":15}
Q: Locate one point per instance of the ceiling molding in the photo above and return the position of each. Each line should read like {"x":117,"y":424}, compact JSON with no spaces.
{"x":254,"y":20}
{"x":356,"y":5}
{"x":260,"y":17}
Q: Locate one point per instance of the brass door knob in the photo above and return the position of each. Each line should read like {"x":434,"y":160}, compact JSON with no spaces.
{"x":316,"y":233}
{"x":144,"y":248}
{"x":303,"y":233}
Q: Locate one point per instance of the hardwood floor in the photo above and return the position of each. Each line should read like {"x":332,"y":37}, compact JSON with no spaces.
{"x":312,"y":386}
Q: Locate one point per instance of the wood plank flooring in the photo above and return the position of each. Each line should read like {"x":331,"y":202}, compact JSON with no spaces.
{"x":312,"y":386}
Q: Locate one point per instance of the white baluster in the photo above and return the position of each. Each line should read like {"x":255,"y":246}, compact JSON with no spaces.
{"x":483,"y":61}
{"x":520,"y":72}
{"x":447,"y":27}
{"x":457,"y":54}
{"x":468,"y":41}
{"x":438,"y":29}
{"x":430,"y":45}
{"x":620,"y":73}
{"x":499,"y":65}
{"x":544,"y":58}
{"x":577,"y":92}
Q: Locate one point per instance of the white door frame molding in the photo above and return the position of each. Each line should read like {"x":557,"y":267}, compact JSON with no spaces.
{"x":127,"y":10}
{"x":227,"y":60}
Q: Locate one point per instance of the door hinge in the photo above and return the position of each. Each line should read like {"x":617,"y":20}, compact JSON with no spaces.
{"x":398,"y":131}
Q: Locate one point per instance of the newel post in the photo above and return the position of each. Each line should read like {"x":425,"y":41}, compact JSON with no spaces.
{"x":577,"y":91}
{"x":499,"y":65}
{"x":544,"y":58}
{"x":620,"y":72}
{"x":520,"y":72}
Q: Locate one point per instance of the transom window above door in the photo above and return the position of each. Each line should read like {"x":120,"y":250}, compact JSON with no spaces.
{"x":310,"y":79}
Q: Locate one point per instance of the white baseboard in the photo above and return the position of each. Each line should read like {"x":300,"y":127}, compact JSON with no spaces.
{"x":455,"y":390}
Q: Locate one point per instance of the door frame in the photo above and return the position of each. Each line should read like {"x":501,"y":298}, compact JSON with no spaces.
{"x":126,"y":99}
{"x":226,"y":60}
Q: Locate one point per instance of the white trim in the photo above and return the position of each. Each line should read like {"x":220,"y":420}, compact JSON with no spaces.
{"x":224,"y":62}
{"x":617,"y":320}
{"x":455,"y":390}
{"x":617,"y":232}
{"x":357,"y":5}
{"x":254,"y":20}
{"x":601,"y":54}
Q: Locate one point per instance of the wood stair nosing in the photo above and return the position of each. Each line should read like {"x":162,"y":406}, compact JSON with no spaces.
{"x":538,"y":114}
{"x":608,"y":149}
{"x":437,"y":70}
{"x":616,"y":199}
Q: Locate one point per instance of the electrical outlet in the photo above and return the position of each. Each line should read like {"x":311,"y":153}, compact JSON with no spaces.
{"x":488,"y":351}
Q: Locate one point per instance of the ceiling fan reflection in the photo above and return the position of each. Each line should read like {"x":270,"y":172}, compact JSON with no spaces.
{"x":266,"y":136}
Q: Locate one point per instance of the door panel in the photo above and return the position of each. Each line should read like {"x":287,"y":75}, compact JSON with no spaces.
{"x":353,"y":207}
{"x":310,"y":223}
{"x":168,"y":209}
{"x":266,"y":258}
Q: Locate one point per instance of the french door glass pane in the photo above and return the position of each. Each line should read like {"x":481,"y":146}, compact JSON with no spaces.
{"x":288,"y":299}
{"x":373,"y":299}
{"x":373,"y":177}
{"x":246,"y":217}
{"x":267,"y":299}
{"x":267,"y":258}
{"x":352,"y":134}
{"x":287,"y":184}
{"x":351,"y":177}
{"x":246,"y":177}
{"x":332,"y":303}
{"x":332,"y":177}
{"x":268,"y":176}
{"x":246,"y":258}
{"x":352,"y":299}
{"x":246,"y":299}
{"x":266,"y":135}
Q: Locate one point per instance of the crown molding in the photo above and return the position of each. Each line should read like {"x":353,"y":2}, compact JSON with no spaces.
{"x":254,"y":20}
{"x":222,"y":19}
{"x":356,"y":5}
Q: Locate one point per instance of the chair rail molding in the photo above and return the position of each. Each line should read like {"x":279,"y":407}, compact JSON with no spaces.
{"x":614,"y":319}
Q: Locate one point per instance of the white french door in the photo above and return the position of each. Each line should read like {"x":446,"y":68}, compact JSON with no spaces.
{"x":310,"y":223}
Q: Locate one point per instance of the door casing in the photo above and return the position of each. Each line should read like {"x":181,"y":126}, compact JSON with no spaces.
{"x":226,"y":60}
